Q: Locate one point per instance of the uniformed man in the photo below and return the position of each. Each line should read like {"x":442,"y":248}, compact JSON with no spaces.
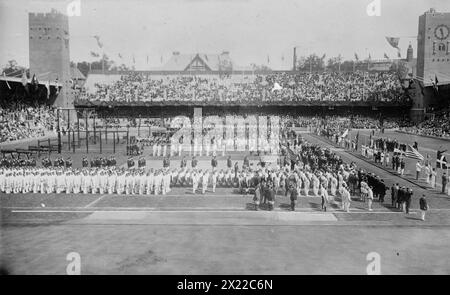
{"x":59,"y":182}
{"x":166,"y":163}
{"x":214,"y":180}
{"x":257,"y":196}
{"x":111,"y":182}
{"x":155,"y":148}
{"x":229,"y":163}
{"x":205,"y":178}
{"x":150,"y":182}
{"x":130,"y":162}
{"x":214,"y":163}
{"x":293,"y":196}
{"x":77,"y":181}
{"x":166,"y":182}
{"x":129,"y":183}
{"x":195,"y":179}
{"x":158,"y":182}
{"x":183,"y":162}
{"x":194,"y":162}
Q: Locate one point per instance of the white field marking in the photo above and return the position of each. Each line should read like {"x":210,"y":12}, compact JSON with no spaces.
{"x":95,"y":201}
{"x":205,"y":210}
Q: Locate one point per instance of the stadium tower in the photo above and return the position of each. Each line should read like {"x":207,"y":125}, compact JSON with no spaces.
{"x":433,"y":59}
{"x":49,"y":52}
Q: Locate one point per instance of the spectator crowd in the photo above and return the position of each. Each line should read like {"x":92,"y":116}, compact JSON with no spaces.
{"x":23,"y":122}
{"x":326,"y":86}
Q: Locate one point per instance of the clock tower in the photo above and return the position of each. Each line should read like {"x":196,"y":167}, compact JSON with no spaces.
{"x":433,"y":57}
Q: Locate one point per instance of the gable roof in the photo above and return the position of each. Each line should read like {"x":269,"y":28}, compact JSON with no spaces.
{"x":182,"y":62}
{"x":76,"y":74}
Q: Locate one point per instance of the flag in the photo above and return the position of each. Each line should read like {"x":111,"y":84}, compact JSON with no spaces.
{"x":370,"y":57}
{"x":435,"y":83}
{"x":57,"y":87}
{"x":94,"y":54}
{"x":413,"y":153}
{"x":393,"y":41}
{"x":35,"y":82}
{"x":147,"y":58}
{"x":268,"y":60}
{"x":100,"y":44}
{"x":7,"y":84}
{"x":345,"y":133}
{"x":386,"y":56}
{"x":24,"y":79}
{"x":161,"y":59}
{"x":356,"y":57}
{"x":47,"y":85}
{"x":276,"y":86}
{"x":440,"y":157}
{"x":441,"y":162}
{"x":323,"y":56}
{"x":134,"y":60}
{"x":120,"y":56}
{"x":291,"y":154}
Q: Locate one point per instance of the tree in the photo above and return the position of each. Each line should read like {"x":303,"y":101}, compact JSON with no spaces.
{"x":106,"y":62}
{"x":311,"y":63}
{"x":13,"y":69}
{"x":260,"y":68}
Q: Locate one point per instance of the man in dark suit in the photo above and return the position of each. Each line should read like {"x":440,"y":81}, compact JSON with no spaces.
{"x":214,"y":163}
{"x":408,"y":197}
{"x":194,"y":162}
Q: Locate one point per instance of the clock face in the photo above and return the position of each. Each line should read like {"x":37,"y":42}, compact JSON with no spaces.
{"x":441,"y":32}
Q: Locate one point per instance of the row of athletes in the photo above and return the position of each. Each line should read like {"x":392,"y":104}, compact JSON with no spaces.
{"x":138,"y":181}
{"x":17,"y":162}
{"x":212,"y":147}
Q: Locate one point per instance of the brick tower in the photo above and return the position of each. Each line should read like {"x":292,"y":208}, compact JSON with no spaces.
{"x":49,"y":52}
{"x":433,"y":58}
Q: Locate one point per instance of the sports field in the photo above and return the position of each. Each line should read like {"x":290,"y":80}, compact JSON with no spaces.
{"x":220,"y":233}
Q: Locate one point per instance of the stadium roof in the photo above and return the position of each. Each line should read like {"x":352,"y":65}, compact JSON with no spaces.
{"x":19,"y":80}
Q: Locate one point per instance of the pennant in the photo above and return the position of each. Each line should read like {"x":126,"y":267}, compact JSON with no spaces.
{"x":7,"y":84}
{"x":35,"y":82}
{"x":24,"y":79}
{"x":100,"y":44}
{"x":47,"y":85}
{"x":393,"y":41}
{"x":57,"y":87}
{"x":386,"y":56}
{"x":435,"y":84}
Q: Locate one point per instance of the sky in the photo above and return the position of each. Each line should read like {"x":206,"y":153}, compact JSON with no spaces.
{"x":253,"y":31}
